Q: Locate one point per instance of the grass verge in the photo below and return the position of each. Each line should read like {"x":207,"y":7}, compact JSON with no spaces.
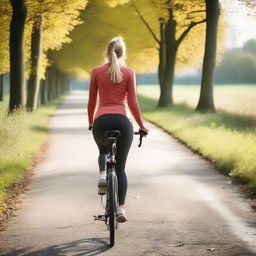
{"x":228,"y":140}
{"x":21,"y":136}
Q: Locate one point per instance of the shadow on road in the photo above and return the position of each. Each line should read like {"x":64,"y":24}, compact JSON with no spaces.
{"x":89,"y":247}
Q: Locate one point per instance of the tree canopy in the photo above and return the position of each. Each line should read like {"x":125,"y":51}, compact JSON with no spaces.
{"x":102,"y":22}
{"x":60,"y":17}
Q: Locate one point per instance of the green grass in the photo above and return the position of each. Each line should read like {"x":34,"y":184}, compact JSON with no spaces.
{"x":20,"y":140}
{"x":226,"y":138}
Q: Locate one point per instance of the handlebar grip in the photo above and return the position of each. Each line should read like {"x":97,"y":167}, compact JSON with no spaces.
{"x":140,"y":142}
{"x":142,"y":134}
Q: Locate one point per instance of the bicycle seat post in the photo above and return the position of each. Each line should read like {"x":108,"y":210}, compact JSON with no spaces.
{"x":112,"y":136}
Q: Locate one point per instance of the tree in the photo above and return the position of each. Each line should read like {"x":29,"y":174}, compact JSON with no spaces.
{"x":206,"y":100}
{"x":17,"y":62}
{"x":142,"y":44}
{"x":1,"y":87}
{"x":5,"y":14}
{"x":87,"y":49}
{"x":250,"y":46}
{"x":36,"y":50}
{"x":60,"y":17}
{"x":238,"y":65}
{"x":176,"y":19}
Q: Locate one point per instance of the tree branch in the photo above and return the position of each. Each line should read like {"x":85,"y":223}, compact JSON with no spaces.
{"x":146,"y":24}
{"x":191,"y":25}
{"x":151,"y":47}
{"x":198,"y":11}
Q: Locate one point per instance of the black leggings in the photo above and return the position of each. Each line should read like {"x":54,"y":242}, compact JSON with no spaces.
{"x":114,"y":122}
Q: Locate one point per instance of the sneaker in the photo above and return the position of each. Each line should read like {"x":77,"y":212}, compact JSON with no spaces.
{"x":121,"y":215}
{"x":102,"y":184}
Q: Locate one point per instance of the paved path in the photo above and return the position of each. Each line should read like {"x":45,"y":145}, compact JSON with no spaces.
{"x":177,"y":203}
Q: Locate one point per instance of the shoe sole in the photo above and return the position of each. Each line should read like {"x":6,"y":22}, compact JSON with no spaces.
{"x":102,"y":188}
{"x":121,"y":218}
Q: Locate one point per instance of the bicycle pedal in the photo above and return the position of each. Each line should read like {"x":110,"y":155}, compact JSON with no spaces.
{"x":99,"y":217}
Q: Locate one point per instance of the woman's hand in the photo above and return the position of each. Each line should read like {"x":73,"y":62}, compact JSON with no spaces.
{"x":144,"y":129}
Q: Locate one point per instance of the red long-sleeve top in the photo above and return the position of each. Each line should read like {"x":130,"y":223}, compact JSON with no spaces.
{"x":113,"y":96}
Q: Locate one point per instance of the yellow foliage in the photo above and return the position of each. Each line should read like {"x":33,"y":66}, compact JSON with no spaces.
{"x":142,"y":52}
{"x":60,"y":18}
{"x":5,"y":13}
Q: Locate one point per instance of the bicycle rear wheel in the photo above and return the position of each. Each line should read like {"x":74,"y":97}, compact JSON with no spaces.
{"x":112,"y":205}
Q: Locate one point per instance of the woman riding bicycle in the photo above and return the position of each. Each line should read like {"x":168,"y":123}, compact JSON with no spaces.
{"x":115,"y":84}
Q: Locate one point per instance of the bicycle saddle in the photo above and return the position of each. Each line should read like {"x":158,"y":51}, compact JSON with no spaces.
{"x":112,"y":133}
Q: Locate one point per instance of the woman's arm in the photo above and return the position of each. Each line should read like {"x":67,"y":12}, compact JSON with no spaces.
{"x":92,"y":97}
{"x":132,"y":99}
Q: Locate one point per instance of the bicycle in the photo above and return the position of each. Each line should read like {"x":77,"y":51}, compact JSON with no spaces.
{"x":112,"y":187}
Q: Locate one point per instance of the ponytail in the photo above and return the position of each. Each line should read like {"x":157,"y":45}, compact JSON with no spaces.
{"x":116,"y":54}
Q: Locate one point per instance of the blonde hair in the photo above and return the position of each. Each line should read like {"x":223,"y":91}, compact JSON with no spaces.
{"x":116,"y":55}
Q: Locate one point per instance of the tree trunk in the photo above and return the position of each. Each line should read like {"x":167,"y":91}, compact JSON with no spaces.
{"x":1,"y":87}
{"x":167,"y":92}
{"x":53,"y":81}
{"x":206,"y":100}
{"x":169,"y":58}
{"x":58,"y":82}
{"x":36,"y":50}
{"x":66,"y":79}
{"x":43,"y":91}
{"x":17,"y":62}
{"x":162,"y":53}
{"x":48,"y":83}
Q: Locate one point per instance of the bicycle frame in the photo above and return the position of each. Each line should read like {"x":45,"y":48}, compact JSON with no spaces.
{"x":111,"y":167}
{"x":112,"y":191}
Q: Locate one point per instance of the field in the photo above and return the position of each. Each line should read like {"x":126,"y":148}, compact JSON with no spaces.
{"x":236,"y":99}
{"x":227,"y":137}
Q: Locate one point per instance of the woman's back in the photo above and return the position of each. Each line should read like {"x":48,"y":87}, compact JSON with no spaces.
{"x":113,"y":96}
{"x":109,"y":92}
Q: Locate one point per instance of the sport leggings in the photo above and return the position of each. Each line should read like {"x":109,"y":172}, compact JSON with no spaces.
{"x":114,"y":122}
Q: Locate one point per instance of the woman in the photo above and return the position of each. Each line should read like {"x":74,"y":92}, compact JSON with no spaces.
{"x":115,"y":85}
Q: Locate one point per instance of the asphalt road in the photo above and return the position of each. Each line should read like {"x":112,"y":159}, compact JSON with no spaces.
{"x":177,"y":204}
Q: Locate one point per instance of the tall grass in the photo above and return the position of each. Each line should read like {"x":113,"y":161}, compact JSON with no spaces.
{"x":228,"y":139}
{"x":20,"y":140}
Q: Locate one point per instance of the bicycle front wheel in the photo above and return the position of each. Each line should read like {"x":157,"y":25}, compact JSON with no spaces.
{"x":112,"y":194}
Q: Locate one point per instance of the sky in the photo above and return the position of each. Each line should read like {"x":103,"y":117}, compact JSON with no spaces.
{"x":241,"y":22}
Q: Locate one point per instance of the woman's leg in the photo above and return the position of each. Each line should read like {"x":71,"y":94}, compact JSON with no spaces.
{"x":114,"y":122}
{"x":123,"y":146}
{"x":102,"y":142}
{"x":102,"y":159}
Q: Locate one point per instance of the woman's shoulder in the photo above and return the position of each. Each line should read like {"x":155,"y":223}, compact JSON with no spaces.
{"x":104,"y":65}
{"x":128,"y":69}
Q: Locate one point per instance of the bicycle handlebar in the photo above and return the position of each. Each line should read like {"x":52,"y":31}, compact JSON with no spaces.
{"x":142,"y":134}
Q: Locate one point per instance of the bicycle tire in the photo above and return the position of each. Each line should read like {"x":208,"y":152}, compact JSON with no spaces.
{"x":112,"y":196}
